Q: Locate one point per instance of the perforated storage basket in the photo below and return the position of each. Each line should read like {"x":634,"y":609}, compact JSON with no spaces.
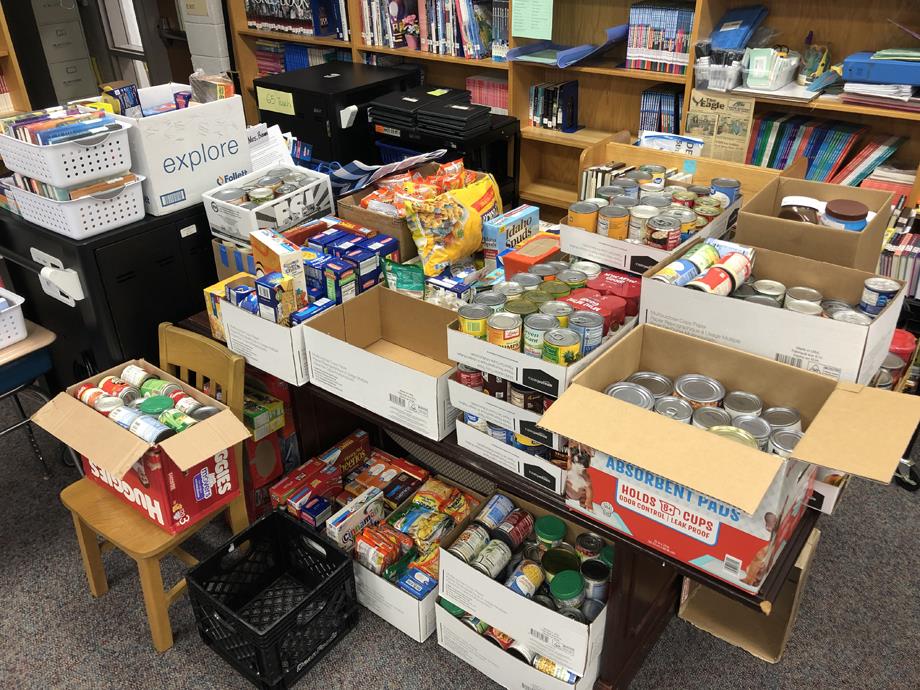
{"x":87,"y":216}
{"x":12,"y":322}
{"x":71,"y":162}
{"x":274,"y":600}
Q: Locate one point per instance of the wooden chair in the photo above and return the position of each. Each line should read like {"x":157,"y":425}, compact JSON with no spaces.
{"x":98,"y":513}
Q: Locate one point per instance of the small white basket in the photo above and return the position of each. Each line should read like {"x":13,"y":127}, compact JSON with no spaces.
{"x":71,"y":162}
{"x":87,"y":216}
{"x":12,"y":322}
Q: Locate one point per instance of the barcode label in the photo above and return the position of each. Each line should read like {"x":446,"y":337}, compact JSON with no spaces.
{"x":536,"y":634}
{"x":732,"y":565}
{"x":398,"y":400}
{"x":789,"y":359}
{"x":172,"y":197}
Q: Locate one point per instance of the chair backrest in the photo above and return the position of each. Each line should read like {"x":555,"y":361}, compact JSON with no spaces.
{"x":203,"y":364}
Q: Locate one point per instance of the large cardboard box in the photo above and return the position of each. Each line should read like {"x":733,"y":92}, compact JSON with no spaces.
{"x":845,"y":351}
{"x":174,"y":483}
{"x":187,"y":151}
{"x":570,"y":643}
{"x":759,"y":226}
{"x":386,"y":352}
{"x":710,"y":502}
{"x":230,"y":259}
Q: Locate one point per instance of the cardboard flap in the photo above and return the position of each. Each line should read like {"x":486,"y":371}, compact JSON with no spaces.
{"x":91,"y":434}
{"x":720,"y":468}
{"x":861,"y":430}
{"x":204,"y":440}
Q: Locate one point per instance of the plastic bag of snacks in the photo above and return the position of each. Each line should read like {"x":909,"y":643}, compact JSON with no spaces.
{"x":435,"y":494}
{"x":427,"y":561}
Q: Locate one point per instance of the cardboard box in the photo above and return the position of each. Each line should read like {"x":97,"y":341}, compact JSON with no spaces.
{"x":517,"y":367}
{"x":186,"y":152}
{"x":201,"y":11}
{"x":829,"y":488}
{"x":209,"y":40}
{"x":365,"y":509}
{"x":262,"y":413}
{"x":507,"y":230}
{"x":630,"y":256}
{"x":215,"y":298}
{"x":386,"y":352}
{"x":845,"y":351}
{"x":759,"y":226}
{"x":230,"y":259}
{"x":174,"y":483}
{"x":705,"y":500}
{"x":565,"y":641}
{"x":763,"y":636}
{"x":263,"y":460}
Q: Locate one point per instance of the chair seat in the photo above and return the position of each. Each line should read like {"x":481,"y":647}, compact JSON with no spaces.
{"x":24,"y":370}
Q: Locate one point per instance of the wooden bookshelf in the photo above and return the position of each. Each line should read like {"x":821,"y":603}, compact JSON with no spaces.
{"x":9,"y":65}
{"x":296,"y":38}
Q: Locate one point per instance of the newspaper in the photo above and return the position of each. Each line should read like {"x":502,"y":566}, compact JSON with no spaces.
{"x":723,"y":122}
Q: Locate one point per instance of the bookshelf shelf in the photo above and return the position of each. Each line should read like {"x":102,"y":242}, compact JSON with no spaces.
{"x":625,"y":73}
{"x":581,"y":139}
{"x":4,"y":53}
{"x":835,"y":105}
{"x":548,"y":193}
{"x":433,"y":57}
{"x":295,"y":38}
{"x":12,"y":75}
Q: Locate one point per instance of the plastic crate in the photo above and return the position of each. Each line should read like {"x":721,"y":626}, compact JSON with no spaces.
{"x":274,"y":599}
{"x":84,"y":217}
{"x":71,"y":162}
{"x":390,"y":153}
{"x":12,"y":322}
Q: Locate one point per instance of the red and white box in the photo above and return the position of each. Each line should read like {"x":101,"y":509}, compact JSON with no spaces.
{"x":175,"y":483}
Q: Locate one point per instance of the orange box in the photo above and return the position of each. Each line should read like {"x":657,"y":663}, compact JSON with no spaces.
{"x":379,"y":474}
{"x":538,"y":249}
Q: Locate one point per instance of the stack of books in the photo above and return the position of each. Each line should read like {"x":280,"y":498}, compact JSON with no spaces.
{"x":892,"y":177}
{"x":58,"y":125}
{"x":660,"y":108}
{"x":269,"y":57}
{"x":659,"y":36}
{"x":554,"y":106}
{"x":490,"y":91}
{"x":274,"y":57}
{"x":305,"y":17}
{"x":872,"y":153}
{"x":501,"y":23}
{"x":71,"y":193}
{"x":900,"y":257}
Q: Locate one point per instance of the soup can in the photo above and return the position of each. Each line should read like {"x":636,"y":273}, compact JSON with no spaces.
{"x":783,"y":442}
{"x":649,"y":188}
{"x":701,"y":191}
{"x":658,"y":385}
{"x":494,"y":511}
{"x":803,"y":294}
{"x":525,"y":579}
{"x":699,"y":390}
{"x":678,"y":272}
{"x":738,"y":403}
{"x":638,"y":218}
{"x":702,"y":256}
{"x":583,"y":215}
{"x":629,"y":186}
{"x":469,"y":377}
{"x":491,"y":299}
{"x":124,"y":416}
{"x":708,"y":417}
{"x":851,"y":316}
{"x":529,"y":281}
{"x":770,"y":288}
{"x":556,"y":289}
{"x":588,"y":545}
{"x":708,"y":212}
{"x":493,"y":558}
{"x":537,"y":297}
{"x":663,"y":232}
{"x":135,"y":375}
{"x":783,"y":418}
{"x":733,"y":433}
{"x":473,"y":318}
{"x":687,"y":220}
{"x":574,"y":279}
{"x":737,"y":265}
{"x":613,"y":222}
{"x":546,"y":665}
{"x":230,"y":195}
{"x":504,"y":330}
{"x":561,"y":311}
{"x":590,"y":329}
{"x":596,"y":574}
{"x":589,"y":268}
{"x":658,"y":201}
{"x":608,"y":192}
{"x":756,"y":426}
{"x":637,"y":175}
{"x":525,"y":398}
{"x":520,"y":306}
{"x":545,"y":271}
{"x":632,"y":393}
{"x":470,"y":542}
{"x":800,"y":306}
{"x":716,"y":281}
{"x":119,"y":388}
{"x":561,"y":346}
{"x":727,"y":188}
{"x":684,"y":198}
{"x":509,"y":289}
{"x":876,"y":294}
{"x":677,"y":409}
{"x":624,"y":201}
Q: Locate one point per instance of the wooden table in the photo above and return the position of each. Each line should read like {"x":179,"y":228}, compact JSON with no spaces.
{"x":36,"y":339}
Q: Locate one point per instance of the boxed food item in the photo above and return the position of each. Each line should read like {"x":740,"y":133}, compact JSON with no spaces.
{"x":275,"y":292}
{"x":215,"y":295}
{"x":349,"y":453}
{"x":537,"y":249}
{"x":262,"y":414}
{"x":273,"y":253}
{"x":367,"y":508}
{"x":264,"y":461}
{"x":507,"y":231}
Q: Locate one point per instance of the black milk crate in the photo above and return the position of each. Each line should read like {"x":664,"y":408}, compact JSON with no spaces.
{"x":274,"y":599}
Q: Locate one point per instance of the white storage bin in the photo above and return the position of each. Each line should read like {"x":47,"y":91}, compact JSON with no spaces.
{"x":773,"y":79}
{"x":82,"y":218}
{"x":71,"y":162}
{"x":12,"y":322}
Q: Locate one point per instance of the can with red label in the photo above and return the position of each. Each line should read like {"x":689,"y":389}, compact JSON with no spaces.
{"x":499,"y":638}
{"x":89,"y":394}
{"x":737,"y":265}
{"x":119,"y":388}
{"x":715,"y":281}
{"x":469,"y":377}
{"x":516,"y":526}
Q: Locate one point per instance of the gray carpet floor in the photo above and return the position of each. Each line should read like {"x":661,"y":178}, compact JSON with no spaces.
{"x":858,"y":627}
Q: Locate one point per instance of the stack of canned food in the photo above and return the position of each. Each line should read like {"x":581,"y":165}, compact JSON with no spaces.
{"x":725,"y":268}
{"x":704,"y":402}
{"x":275,"y":183}
{"x":556,"y":312}
{"x":149,"y":407}
{"x":641,"y":207}
{"x":533,"y":559}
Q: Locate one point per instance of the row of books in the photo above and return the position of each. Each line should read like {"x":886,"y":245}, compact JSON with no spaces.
{"x":660,"y":108}
{"x":490,"y":91}
{"x":900,"y":257}
{"x":596,"y":176}
{"x":274,"y":57}
{"x":873,"y":152}
{"x":659,"y":36}
{"x":57,"y":125}
{"x":302,"y":17}
{"x":501,"y":29}
{"x":892,"y":177}
{"x":71,"y":193}
{"x":554,"y":106}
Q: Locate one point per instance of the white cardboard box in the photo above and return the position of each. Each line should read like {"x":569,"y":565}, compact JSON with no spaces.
{"x":271,"y":347}
{"x":631,"y":256}
{"x":503,"y":413}
{"x":843,"y":351}
{"x":185,"y":152}
{"x":532,"y":372}
{"x":209,"y":40}
{"x":398,"y":608}
{"x":386,"y":352}
{"x":537,"y":470}
{"x":201,"y":11}
{"x":500,"y":666}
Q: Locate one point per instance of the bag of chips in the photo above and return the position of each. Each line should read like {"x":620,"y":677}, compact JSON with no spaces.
{"x":434,"y":494}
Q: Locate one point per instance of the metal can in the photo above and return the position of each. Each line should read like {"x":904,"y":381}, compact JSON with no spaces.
{"x":699,"y":390}
{"x":583,"y":215}
{"x":629,"y":186}
{"x":521,"y":652}
{"x":119,"y":388}
{"x":535,"y":326}
{"x":107,"y":403}
{"x":687,"y":220}
{"x":158,"y":387}
{"x":124,"y":416}
{"x":764,"y":300}
{"x":738,"y":403}
{"x":735,"y":434}
{"x":495,"y":386}
{"x":526,"y":578}
{"x":525,"y":398}
{"x":561,"y":311}
{"x":783,"y":418}
{"x":478,"y":626}
{"x":561,"y":346}
{"x":702,"y":256}
{"x":596,"y":575}
{"x":727,"y":187}
{"x":800,"y":306}
{"x":770,"y":288}
{"x":568,"y":589}
{"x":637,"y":175}
{"x":473,"y":318}
{"x":663,"y":232}
{"x":477,"y":423}
{"x":851,"y":316}
{"x":492,"y":299}
{"x":494,"y":511}
{"x":589,"y":268}
{"x":684,"y":198}
{"x":493,"y":558}
{"x":230,"y":195}
{"x":150,"y":429}
{"x":803,"y":294}
{"x":500,"y":433}
{"x":529,"y":446}
{"x":557,"y":560}
{"x":538,"y":297}
{"x":509,"y":289}
{"x":499,"y":638}
{"x":178,"y":421}
{"x":592,"y":609}
{"x":834,"y":305}
{"x":504,"y":330}
{"x":520,"y":306}
{"x":608,"y":192}
{"x":744,"y":291}
{"x":545,"y":271}
{"x":556,"y":288}
{"x":700,"y":191}
{"x":677,"y":409}
{"x":589,"y":326}
{"x":551,"y":668}
{"x":660,"y":201}
{"x":658,"y":172}
{"x":469,"y":377}
{"x":783,"y":442}
{"x":185,"y":403}
{"x":261,"y":195}
{"x":613,"y":222}
{"x":708,"y":417}
{"x":715,"y":281}
{"x":588,"y":545}
{"x":882,"y":379}
{"x":574,"y":279}
{"x":649,"y":188}
{"x":738,"y":267}
{"x":135,"y":375}
{"x":877,"y":293}
{"x":471,"y":541}
{"x":658,"y":385}
{"x":88,"y":394}
{"x":514,"y":528}
{"x":678,"y":272}
{"x":631,"y":393}
{"x":894,"y":365}
{"x":545,"y":601}
{"x":756,"y":427}
{"x":638,"y":218}
{"x":528,"y":281}
{"x":203,"y":412}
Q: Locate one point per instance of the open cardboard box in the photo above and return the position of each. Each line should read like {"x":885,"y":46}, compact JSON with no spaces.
{"x":763,"y":636}
{"x":759,"y":226}
{"x":575,"y":645}
{"x":415,"y":618}
{"x":846,"y":351}
{"x":386,"y":352}
{"x":230,"y":259}
{"x":710,"y":502}
{"x":180,"y":479}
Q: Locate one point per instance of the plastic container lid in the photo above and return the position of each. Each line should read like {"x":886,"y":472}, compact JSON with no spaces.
{"x":156,"y":404}
{"x":567,"y":585}
{"x":549,"y":528}
{"x":847,"y":209}
{"x":903,"y":343}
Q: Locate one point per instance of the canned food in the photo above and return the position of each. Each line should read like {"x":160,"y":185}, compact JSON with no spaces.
{"x":509,"y":289}
{"x":708,"y":417}
{"x":526,"y":578}
{"x":649,"y":188}
{"x":834,"y":305}
{"x":88,"y":394}
{"x":658,"y":385}
{"x":727,"y":188}
{"x":583,"y":215}
{"x":894,"y":365}
{"x":556,"y":288}
{"x":802,"y":307}
{"x":561,"y":346}
{"x":557,"y":560}
{"x":537,"y":297}
{"x":783,"y":418}
{"x":479,"y":424}
{"x":525,"y":398}
{"x":230,"y":195}
{"x":504,"y":330}
{"x":520,"y":306}
{"x":783,"y":442}
{"x":716,"y":281}
{"x":451,"y":608}
{"x":469,"y":377}
{"x":178,"y":421}
{"x":764,"y":300}
{"x":613,"y":222}
{"x":659,"y":201}
{"x":124,"y":416}
{"x":150,"y":429}
{"x":638,"y":219}
{"x":494,"y":511}
{"x":803,"y":294}
{"x":545,"y":601}
{"x":738,"y":267}
{"x":679,"y":272}
{"x":663,"y":232}
{"x":568,"y":589}
{"x":135,"y":375}
{"x":549,"y":530}
{"x":529,"y":446}
{"x":296,"y":179}
{"x":119,"y":388}
{"x":535,"y":326}
{"x":699,"y":390}
{"x":158,"y":387}
{"x":521,"y":652}
{"x":707,"y":212}
{"x":851,"y":316}
{"x":589,"y":268}
{"x":882,"y":379}
{"x":203,"y":412}
{"x":684,"y":198}
{"x":739,"y":403}
{"x":877,"y":293}
{"x":271,"y":181}
{"x":608,"y":192}
{"x":471,"y":541}
{"x":702,"y":256}
{"x":756,"y":427}
{"x":551,"y":668}
{"x":574,"y":279}
{"x":480,"y":627}
{"x":658,"y":172}
{"x":637,"y":175}
{"x":155,"y":405}
{"x":733,"y":433}
{"x":625,"y":201}
{"x":493,"y":558}
{"x":632,"y":393}
{"x":495,"y":386}
{"x":514,"y":528}
{"x":285,"y":189}
{"x":700,"y":191}
{"x":561,"y":311}
{"x":588,"y":545}
{"x":687,"y":219}
{"x":473,"y":318}
{"x":770,"y":288}
{"x":261,"y":195}
{"x":592,"y":608}
{"x":107,"y":403}
{"x":589,"y":326}
{"x":500,"y":433}
{"x":629,"y":186}
{"x":528,"y":281}
{"x":677,"y":409}
{"x":492,"y":299}
{"x":596,"y":575}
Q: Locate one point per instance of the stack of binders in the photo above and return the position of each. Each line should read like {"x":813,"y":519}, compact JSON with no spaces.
{"x":399,"y":110}
{"x":454,"y":120}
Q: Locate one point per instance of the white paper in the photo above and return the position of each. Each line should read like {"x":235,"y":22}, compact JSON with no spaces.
{"x":267,"y":146}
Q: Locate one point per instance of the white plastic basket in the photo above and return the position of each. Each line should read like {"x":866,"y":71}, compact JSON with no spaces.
{"x":71,"y":162}
{"x":85,"y":217}
{"x":12,"y":322}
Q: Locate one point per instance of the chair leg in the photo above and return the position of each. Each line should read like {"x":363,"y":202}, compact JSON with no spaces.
{"x":155,"y":602}
{"x":35,"y":449}
{"x":238,"y":517}
{"x":92,"y":557}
